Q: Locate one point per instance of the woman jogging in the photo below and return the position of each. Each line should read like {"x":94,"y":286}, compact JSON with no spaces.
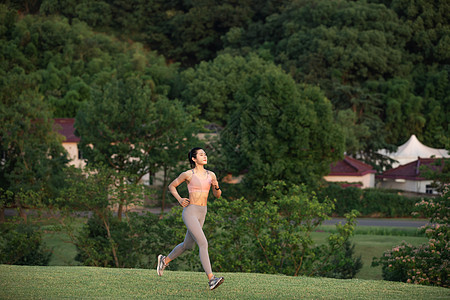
{"x":199,"y":181}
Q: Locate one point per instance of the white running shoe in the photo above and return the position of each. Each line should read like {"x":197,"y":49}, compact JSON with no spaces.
{"x":161,"y":265}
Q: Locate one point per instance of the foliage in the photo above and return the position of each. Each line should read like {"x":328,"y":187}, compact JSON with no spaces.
{"x":21,"y":244}
{"x":32,"y":154}
{"x":369,"y":202}
{"x":186,"y":32}
{"x":104,"y":240}
{"x":263,"y":237}
{"x":280,"y":130}
{"x":98,"y":245}
{"x":362,"y":55}
{"x":342,"y":264}
{"x":274,"y":236}
{"x":128,"y":128}
{"x":214,"y":87}
{"x":428,"y":264}
{"x":62,"y":61}
{"x":382,"y":64}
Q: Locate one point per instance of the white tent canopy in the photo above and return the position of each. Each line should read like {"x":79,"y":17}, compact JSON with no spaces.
{"x":411,"y":150}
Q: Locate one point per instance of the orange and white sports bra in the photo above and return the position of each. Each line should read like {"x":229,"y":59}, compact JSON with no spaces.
{"x":198,"y":184}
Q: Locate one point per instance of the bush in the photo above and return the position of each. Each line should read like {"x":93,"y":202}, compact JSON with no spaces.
{"x":429,"y":263}
{"x":342,"y":264}
{"x":368,"y":202}
{"x":21,"y":244}
{"x":274,"y":236}
{"x":95,"y":248}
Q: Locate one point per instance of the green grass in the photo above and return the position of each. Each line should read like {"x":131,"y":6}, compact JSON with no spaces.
{"x":27,"y":282}
{"x":370,"y":246}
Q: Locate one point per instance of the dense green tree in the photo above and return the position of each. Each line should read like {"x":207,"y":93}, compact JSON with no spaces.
{"x":350,"y":49}
{"x":65,"y":60}
{"x":32,"y":153}
{"x":185,"y":31}
{"x":125,"y":129}
{"x":214,"y":86}
{"x":280,"y":130}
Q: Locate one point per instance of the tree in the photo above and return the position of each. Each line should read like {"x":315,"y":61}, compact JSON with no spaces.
{"x":281,"y":131}
{"x":124,"y":129}
{"x":184,"y":31}
{"x":32,"y":153}
{"x":213,"y":86}
{"x":105,"y":240}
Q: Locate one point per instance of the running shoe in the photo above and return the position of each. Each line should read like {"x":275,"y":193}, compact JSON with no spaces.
{"x":161,"y":265}
{"x":215,"y":282}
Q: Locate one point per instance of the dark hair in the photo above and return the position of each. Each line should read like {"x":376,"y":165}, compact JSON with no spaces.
{"x":193,"y":154}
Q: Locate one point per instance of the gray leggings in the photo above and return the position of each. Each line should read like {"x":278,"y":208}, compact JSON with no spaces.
{"x":193,"y":218}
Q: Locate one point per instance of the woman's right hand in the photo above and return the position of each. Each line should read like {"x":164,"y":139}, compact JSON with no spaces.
{"x":184,"y":202}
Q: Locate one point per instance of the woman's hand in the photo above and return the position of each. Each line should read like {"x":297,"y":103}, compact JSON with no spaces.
{"x":184,"y":202}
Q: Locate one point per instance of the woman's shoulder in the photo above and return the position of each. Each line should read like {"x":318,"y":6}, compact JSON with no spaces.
{"x":211,"y":173}
{"x":187,"y":174}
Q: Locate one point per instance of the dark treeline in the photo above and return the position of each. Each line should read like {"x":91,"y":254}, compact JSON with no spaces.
{"x":315,"y":78}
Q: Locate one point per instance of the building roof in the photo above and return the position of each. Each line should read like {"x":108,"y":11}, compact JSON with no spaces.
{"x":412,"y":149}
{"x":350,"y":167}
{"x":64,"y":126}
{"x":411,"y":171}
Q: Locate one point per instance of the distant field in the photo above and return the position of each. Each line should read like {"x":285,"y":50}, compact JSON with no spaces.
{"x":27,"y":282}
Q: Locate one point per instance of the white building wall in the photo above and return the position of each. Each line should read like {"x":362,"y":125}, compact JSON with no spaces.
{"x":368,"y":180}
{"x":72,"y":150}
{"x":406,"y":185}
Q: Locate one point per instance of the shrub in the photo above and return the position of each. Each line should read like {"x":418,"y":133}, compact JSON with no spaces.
{"x":274,"y":236}
{"x":95,"y":248}
{"x":368,"y":202}
{"x":342,"y":263}
{"x":21,"y":244}
{"x":429,"y":263}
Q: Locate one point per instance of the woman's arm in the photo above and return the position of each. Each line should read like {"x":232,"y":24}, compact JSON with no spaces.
{"x":173,"y":189}
{"x":215,"y":185}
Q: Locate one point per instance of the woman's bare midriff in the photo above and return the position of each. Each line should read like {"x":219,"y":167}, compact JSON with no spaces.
{"x":198,"y":198}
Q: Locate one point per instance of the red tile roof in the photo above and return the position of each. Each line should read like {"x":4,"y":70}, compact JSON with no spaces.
{"x":350,"y":167}
{"x":411,"y":171}
{"x":65,"y":127}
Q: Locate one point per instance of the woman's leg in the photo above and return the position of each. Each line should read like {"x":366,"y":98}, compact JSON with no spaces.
{"x":187,"y":244}
{"x":194,"y":218}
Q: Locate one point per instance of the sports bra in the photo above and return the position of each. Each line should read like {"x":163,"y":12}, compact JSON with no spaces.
{"x":198,"y":184}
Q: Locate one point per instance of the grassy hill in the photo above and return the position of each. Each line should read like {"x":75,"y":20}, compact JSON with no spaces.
{"x":29,"y":282}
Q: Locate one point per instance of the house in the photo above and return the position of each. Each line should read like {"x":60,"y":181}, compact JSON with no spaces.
{"x":352,"y":172}
{"x":411,"y":150}
{"x":408,"y":177}
{"x":65,"y":127}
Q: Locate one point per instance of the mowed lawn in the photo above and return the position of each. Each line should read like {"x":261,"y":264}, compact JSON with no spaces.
{"x":30,"y":282}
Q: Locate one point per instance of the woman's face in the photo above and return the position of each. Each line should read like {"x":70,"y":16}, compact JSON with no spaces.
{"x":201,"y":157}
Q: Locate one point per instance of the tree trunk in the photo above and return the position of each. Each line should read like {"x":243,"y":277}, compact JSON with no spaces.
{"x":2,"y":215}
{"x":120,"y":210}
{"x":164,"y":191}
{"x":113,"y":247}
